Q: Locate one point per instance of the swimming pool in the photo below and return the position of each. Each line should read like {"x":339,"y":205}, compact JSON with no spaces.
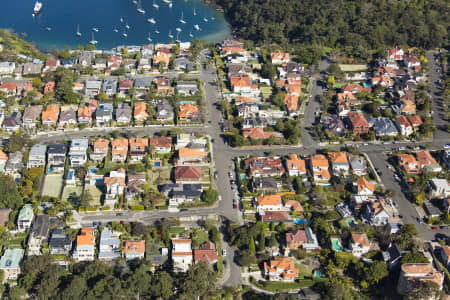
{"x":336,"y":245}
{"x":366,"y":84}
{"x":190,"y":102}
{"x":157,"y":164}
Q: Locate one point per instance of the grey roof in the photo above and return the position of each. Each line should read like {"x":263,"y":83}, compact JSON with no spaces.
{"x":106,"y":239}
{"x":431,"y":209}
{"x":237,"y":68}
{"x":124,"y":111}
{"x":293,"y":68}
{"x":15,"y":161}
{"x":11,"y":259}
{"x":187,"y":84}
{"x":104,"y":109}
{"x":143,"y":82}
{"x":40,"y":226}
{"x":56,"y":149}
{"x":69,"y":61}
{"x":32,"y":112}
{"x":265,"y":183}
{"x":67,"y":115}
{"x":182,"y":190}
{"x":93,"y":84}
{"x":382,"y":125}
{"x":110,"y":86}
{"x":79,"y":143}
{"x":12,"y":122}
{"x":59,"y":239}
{"x":38,"y":150}
{"x":100,"y":61}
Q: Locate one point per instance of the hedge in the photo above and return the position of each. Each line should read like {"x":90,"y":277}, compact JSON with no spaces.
{"x":137,"y":207}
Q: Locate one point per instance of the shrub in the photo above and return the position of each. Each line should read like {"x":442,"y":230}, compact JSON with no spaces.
{"x":137,"y":207}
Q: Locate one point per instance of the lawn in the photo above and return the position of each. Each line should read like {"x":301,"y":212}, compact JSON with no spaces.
{"x":96,"y":194}
{"x":274,"y":286}
{"x":266,"y":91}
{"x":53,"y":185}
{"x":352,"y":68}
{"x":303,"y":271}
{"x":159,"y":176}
{"x":68,"y":190}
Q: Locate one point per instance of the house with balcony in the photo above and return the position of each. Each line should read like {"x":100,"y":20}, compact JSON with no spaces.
{"x":339,"y":163}
{"x":359,"y":244}
{"x":140,"y":114}
{"x":281,"y":269}
{"x":119,"y":149}
{"x":30,"y":116}
{"x":10,"y":264}
{"x":191,"y":156}
{"x":37,"y":156}
{"x":123,"y":114}
{"x":133,"y":249}
{"x":207,"y":253}
{"x":269,"y":203}
{"x":78,"y":152}
{"x":67,"y":117}
{"x":85,"y":245}
{"x":161,"y":144}
{"x":295,"y":166}
{"x":362,"y":187}
{"x":50,"y":115}
{"x":187,"y":88}
{"x":412,"y":273}
{"x":38,"y":235}
{"x":59,"y":244}
{"x":85,"y":115}
{"x":181,"y":254}
{"x":99,"y":149}
{"x":115,"y":186}
{"x":265,"y":166}
{"x":319,"y":168}
{"x":164,"y":111}
{"x":104,"y":114}
{"x":92,"y":88}
{"x":110,"y":87}
{"x":409,"y":163}
{"x":109,"y":246}
{"x":427,"y":162}
{"x":440,"y":188}
{"x":56,"y":157}
{"x":138,"y":148}
{"x":25,"y":218}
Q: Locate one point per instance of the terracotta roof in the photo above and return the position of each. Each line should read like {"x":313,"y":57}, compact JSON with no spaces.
{"x":257,"y":133}
{"x":275,"y":216}
{"x":270,"y":200}
{"x":295,"y":205}
{"x":360,"y":238}
{"x":3,"y":156}
{"x":161,"y":57}
{"x":207,"y":253}
{"x":415,"y":120}
{"x":358,"y":119}
{"x":324,"y":173}
{"x":295,"y":163}
{"x":85,"y":112}
{"x":162,"y":141}
{"x":188,"y":152}
{"x":293,"y":89}
{"x":402,"y":120}
{"x":264,"y":165}
{"x":114,"y":180}
{"x":338,"y":157}
{"x":188,"y":173}
{"x":291,"y":102}
{"x":187,"y":110}
{"x":446,"y":249}
{"x":140,"y":143}
{"x":133,"y":246}
{"x":126,"y":84}
{"x":240,"y":81}
{"x":86,"y":237}
{"x":101,"y":146}
{"x":119,"y":146}
{"x":355,"y":88}
{"x":51,"y":113}
{"x":296,"y":236}
{"x":241,"y":100}
{"x":425,"y":159}
{"x":181,"y":241}
{"x":363,"y":184}
{"x":319,"y":160}
{"x":140,"y":111}
{"x":283,"y":265}
{"x":278,"y":55}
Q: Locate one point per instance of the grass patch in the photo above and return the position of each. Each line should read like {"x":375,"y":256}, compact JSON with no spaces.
{"x":266,"y":91}
{"x":68,"y":190}
{"x":53,"y":185}
{"x":96,"y":194}
{"x":159,"y":176}
{"x":352,"y":68}
{"x":275,"y":286}
{"x":304,"y":271}
{"x":176,"y":230}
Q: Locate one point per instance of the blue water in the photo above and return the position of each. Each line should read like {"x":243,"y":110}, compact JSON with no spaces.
{"x":301,"y":221}
{"x":190,"y":102}
{"x":62,"y":17}
{"x":367,"y":85}
{"x":157,"y":164}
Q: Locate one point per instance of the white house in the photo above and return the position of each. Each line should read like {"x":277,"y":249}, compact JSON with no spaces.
{"x":440,"y":188}
{"x":359,"y":244}
{"x":85,"y":248}
{"x":181,"y":254}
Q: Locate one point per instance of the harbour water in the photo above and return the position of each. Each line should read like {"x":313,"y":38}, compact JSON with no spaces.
{"x":56,"y":25}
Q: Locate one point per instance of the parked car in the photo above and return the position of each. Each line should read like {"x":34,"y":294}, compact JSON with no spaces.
{"x":435,"y":228}
{"x":224,"y":252}
{"x":235,"y":205}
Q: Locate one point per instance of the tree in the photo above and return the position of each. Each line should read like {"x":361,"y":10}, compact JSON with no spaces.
{"x":86,"y":199}
{"x":298,"y":185}
{"x":246,"y":258}
{"x":420,"y":198}
{"x":162,"y":285}
{"x":262,"y":241}
{"x":376,"y":272}
{"x":199,"y":280}
{"x":125,"y":52}
{"x":331,"y":81}
{"x":210,"y":196}
{"x":37,"y":83}
{"x":273,"y":240}
{"x":424,"y":290}
{"x":17,"y":142}
{"x":268,"y":70}
{"x":251,"y":246}
{"x":413,"y":258}
{"x":9,"y":195}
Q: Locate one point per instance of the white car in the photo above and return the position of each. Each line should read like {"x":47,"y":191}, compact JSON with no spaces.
{"x":224,"y":252}
{"x":447,"y":146}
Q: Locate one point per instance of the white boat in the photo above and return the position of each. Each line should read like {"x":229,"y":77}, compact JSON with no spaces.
{"x":93,"y":41}
{"x":182,"y":21}
{"x":166,"y":1}
{"x":139,"y":9}
{"x":121,"y":20}
{"x":170,"y":34}
{"x":155,"y":5}
{"x":151,"y":20}
{"x":156,"y":31}
{"x":116,"y":30}
{"x":196,"y":27}
{"x":170,"y":4}
{"x":212,"y":18}
{"x":195,"y":13}
{"x":205,"y":19}
{"x":134,"y":1}
{"x":178,"y":40}
{"x":149,"y":38}
{"x":37,"y":7}
{"x":191,"y":35}
{"x":49,"y":29}
{"x":127,"y":26}
{"x":178,"y":29}
{"x":124,"y":34}
{"x":78,"y":30}
{"x":95,"y":29}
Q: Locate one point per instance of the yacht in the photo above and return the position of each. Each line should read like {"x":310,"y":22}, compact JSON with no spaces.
{"x":170,"y":34}
{"x":151,"y":20}
{"x":155,"y":5}
{"x":156,"y":31}
{"x":134,"y":1}
{"x":170,"y":4}
{"x":93,"y":41}
{"x":196,"y":27}
{"x":121,"y":20}
{"x":37,"y":7}
{"x":178,"y":29}
{"x":124,"y":34}
{"x":212,"y":18}
{"x":205,"y":19}
{"x":139,"y":8}
{"x":149,"y":38}
{"x":49,"y":29}
{"x":191,"y":35}
{"x":127,"y":26}
{"x":78,"y":30}
{"x":166,"y":1}
{"x":116,"y":30}
{"x":195,"y":13}
{"x":178,"y":40}
{"x":182,"y":21}
{"x":95,"y":29}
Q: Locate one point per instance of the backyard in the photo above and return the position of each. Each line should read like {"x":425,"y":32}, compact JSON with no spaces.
{"x":53,"y":185}
{"x":68,"y":190}
{"x":352,"y":68}
{"x":96,"y":194}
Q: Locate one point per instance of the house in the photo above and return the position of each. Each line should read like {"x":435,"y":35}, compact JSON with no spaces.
{"x":103,"y":115}
{"x":163,"y":85}
{"x":16,"y":87}
{"x":279,"y":58}
{"x":67,"y":116}
{"x":14,"y":164}
{"x":333,"y":124}
{"x":407,"y":107}
{"x":123,"y":114}
{"x":3,"y":160}
{"x":238,"y":69}
{"x":138,"y":148}
{"x":12,"y":123}
{"x":109,"y":246}
{"x":319,"y":168}
{"x":431,"y":209}
{"x":144,"y":64}
{"x":427,"y":162}
{"x":113,"y":62}
{"x":119,"y":149}
{"x":129,"y":64}
{"x":181,"y":193}
{"x":260,"y":134}
{"x":412,"y":62}
{"x":10,"y":264}
{"x":248,"y":110}
{"x":395,"y":54}
{"x":85,"y":245}
{"x":241,"y":84}
{"x":161,"y":57}
{"x":291,"y":102}
{"x":7,"y":67}
{"x":383,"y":126}
{"x":187,"y":88}
{"x":134,"y":184}
{"x":25,"y":218}
{"x":69,"y":62}
{"x":100,"y":149}
{"x":28,"y":68}
{"x":440,"y":188}
{"x":358,"y":165}
{"x":446,"y":157}
{"x":85,"y":115}
{"x":359,"y":244}
{"x":355,"y":88}
{"x":409,"y":163}
{"x":376,"y":213}
{"x":206,"y":253}
{"x":275,"y":216}
{"x":188,"y":112}
{"x":232,"y":46}
{"x":311,"y":243}
{"x":183,"y":64}
{"x":265,"y":185}
{"x":295,"y":239}
{"x":187,"y":174}
{"x":264,"y":166}
{"x":50,"y":115}
{"x":92,"y":88}
{"x":416,"y":121}
{"x":181,"y":254}
{"x":357,"y":123}
{"x":269,"y":203}
{"x":38,"y":235}
{"x":339,"y":163}
{"x":59,"y":244}
{"x":412,"y":273}
{"x":133,"y":249}
{"x":191,"y":156}
{"x":189,"y":140}
{"x":445,"y":255}
{"x":383,"y":80}
{"x":392,"y":256}
{"x":404,"y":126}
{"x":363,"y":188}
{"x":85,"y":59}
{"x":161,"y":144}
{"x":281,"y":269}
{"x":295,"y":166}
{"x":37,"y":156}
{"x":124,"y":87}
{"x":140,"y":112}
{"x":115,"y":183}
{"x":164,"y":112}
{"x":30,"y":116}
{"x":78,"y":152}
{"x":56,"y":157}
{"x":51,"y":65}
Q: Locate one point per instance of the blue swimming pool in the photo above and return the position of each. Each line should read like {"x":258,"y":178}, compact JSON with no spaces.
{"x":157,"y":164}
{"x":366,"y":84}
